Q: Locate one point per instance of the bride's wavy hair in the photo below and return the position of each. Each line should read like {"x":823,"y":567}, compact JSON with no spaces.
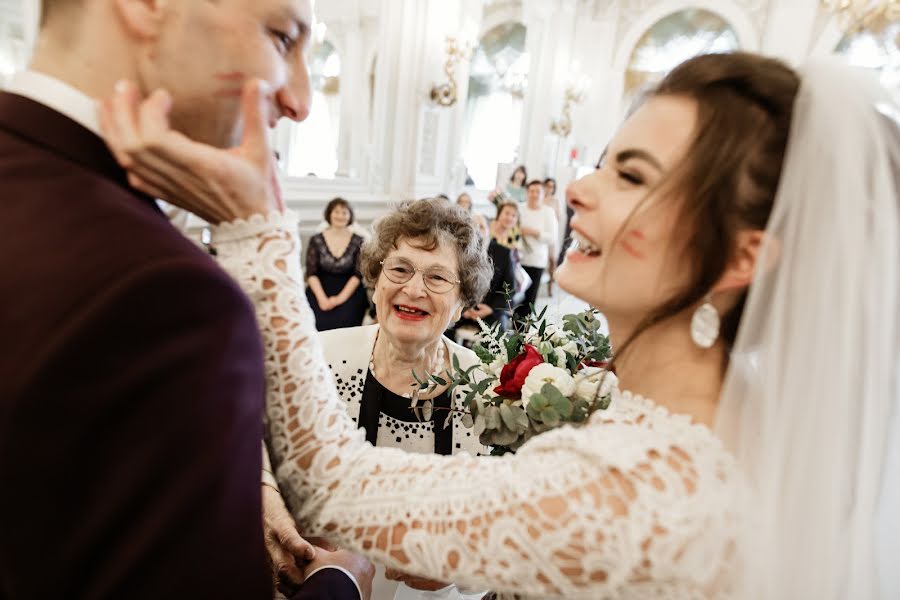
{"x":730,"y":173}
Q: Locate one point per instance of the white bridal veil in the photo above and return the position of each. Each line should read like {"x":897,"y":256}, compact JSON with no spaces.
{"x":811,"y":402}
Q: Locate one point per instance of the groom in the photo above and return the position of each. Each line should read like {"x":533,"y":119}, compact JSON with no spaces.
{"x":131,"y":370}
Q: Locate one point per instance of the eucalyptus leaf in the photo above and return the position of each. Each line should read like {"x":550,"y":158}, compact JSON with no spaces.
{"x":520,"y":416}
{"x":604,"y":403}
{"x":504,"y":437}
{"x":539,"y":402}
{"x":549,"y":391}
{"x":563,"y":406}
{"x":480,"y":425}
{"x":439,"y":380}
{"x":533,"y":411}
{"x":550,"y":417}
{"x":580,"y":411}
{"x":492,"y":417}
{"x":468,"y":421}
{"x":427,"y":410}
{"x":508,"y":417}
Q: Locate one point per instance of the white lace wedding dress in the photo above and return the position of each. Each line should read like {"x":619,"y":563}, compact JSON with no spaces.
{"x":636,"y":504}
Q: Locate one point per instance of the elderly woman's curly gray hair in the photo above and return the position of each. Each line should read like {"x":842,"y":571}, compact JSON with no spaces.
{"x":428,"y":224}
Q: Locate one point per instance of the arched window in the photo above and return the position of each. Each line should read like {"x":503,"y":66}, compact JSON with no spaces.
{"x":671,"y":41}
{"x":875,"y":49}
{"x":498,"y":78}
{"x":311,"y":147}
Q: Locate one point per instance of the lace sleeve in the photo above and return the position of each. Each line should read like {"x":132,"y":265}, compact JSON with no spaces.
{"x":576,"y":513}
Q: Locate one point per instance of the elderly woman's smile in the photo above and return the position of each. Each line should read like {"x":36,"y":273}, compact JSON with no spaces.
{"x":410,"y":312}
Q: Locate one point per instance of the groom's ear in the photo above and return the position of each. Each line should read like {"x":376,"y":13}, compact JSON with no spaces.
{"x":142,"y":19}
{"x":752,"y":245}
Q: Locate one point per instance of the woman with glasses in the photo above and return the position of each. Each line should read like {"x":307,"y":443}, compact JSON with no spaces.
{"x":426,"y":263}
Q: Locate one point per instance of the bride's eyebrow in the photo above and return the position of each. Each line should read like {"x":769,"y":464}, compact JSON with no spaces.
{"x":637,"y":153}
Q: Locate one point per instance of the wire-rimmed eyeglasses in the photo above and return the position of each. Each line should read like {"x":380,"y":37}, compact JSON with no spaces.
{"x":436,"y":279}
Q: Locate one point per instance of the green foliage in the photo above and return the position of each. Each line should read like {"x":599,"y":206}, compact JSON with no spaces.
{"x":507,"y":423}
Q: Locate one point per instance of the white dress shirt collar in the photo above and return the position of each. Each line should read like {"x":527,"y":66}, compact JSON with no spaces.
{"x":58,"y":95}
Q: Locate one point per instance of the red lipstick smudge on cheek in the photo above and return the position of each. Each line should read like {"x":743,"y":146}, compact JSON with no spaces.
{"x":236,"y":76}
{"x":627,"y":247}
{"x":234,"y":87}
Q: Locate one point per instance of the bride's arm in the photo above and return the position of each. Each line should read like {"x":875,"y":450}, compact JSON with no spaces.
{"x":554,"y":520}
{"x":576,"y":513}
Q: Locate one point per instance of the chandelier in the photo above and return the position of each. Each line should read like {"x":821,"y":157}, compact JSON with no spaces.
{"x":856,"y":15}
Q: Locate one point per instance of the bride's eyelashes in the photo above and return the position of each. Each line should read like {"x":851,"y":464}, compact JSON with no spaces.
{"x":631,"y":177}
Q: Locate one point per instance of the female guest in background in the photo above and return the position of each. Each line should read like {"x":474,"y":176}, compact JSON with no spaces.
{"x":465,"y":200}
{"x":426,"y":261}
{"x":332,"y":271}
{"x":515,"y":189}
{"x":501,"y":297}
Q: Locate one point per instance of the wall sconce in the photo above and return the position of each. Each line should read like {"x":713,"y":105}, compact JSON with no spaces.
{"x":857,"y":15}
{"x":574,"y":95}
{"x":445,"y":94}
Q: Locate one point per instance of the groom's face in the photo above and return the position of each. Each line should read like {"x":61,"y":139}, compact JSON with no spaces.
{"x":207,"y":49}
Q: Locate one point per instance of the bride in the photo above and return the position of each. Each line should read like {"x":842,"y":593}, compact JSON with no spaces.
{"x":740,"y":233}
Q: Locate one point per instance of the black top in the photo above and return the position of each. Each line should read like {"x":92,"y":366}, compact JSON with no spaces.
{"x":377,"y":400}
{"x":320,"y":260}
{"x":504,"y":276}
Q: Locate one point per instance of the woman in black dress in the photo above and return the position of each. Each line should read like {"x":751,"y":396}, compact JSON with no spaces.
{"x":333,"y":280}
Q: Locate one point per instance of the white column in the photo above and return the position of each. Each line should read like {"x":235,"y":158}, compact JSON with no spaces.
{"x":31,"y":18}
{"x":550,"y":35}
{"x":354,"y":109}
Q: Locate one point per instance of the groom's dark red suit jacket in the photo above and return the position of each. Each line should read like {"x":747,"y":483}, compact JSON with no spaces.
{"x":131,"y":386}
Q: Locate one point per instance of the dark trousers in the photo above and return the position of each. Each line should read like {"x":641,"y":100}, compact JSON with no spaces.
{"x":531,"y":293}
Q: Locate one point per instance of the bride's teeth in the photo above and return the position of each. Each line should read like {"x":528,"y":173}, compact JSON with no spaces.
{"x":581,"y":244}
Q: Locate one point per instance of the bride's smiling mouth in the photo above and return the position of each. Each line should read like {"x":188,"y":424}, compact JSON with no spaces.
{"x":584,"y":246}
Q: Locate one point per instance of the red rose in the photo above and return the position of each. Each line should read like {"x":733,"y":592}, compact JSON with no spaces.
{"x":513,"y":375}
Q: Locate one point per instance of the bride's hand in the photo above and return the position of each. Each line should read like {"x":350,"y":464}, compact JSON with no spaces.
{"x":215,"y":184}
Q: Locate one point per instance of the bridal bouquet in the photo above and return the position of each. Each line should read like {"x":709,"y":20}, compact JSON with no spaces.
{"x":532,"y":380}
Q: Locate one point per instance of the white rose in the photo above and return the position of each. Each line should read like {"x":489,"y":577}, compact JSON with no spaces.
{"x":546,"y":373}
{"x":571,"y":348}
{"x":496,"y":367}
{"x":561,"y":359}
{"x":560,"y":336}
{"x":587,"y":380}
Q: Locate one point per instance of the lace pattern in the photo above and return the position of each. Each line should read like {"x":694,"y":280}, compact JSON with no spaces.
{"x":636,"y":504}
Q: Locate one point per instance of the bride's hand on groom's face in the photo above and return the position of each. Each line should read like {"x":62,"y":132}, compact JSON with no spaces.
{"x":215,"y":184}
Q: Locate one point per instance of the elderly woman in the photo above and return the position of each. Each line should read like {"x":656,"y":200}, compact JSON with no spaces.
{"x":426,"y":263}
